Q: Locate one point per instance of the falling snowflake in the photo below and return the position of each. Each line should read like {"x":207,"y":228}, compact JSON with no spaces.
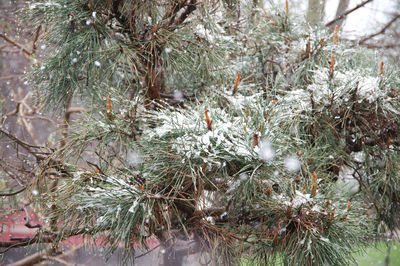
{"x":266,"y":151}
{"x":133,"y":158}
{"x":292,"y":163}
{"x":243,"y":177}
{"x":178,"y":96}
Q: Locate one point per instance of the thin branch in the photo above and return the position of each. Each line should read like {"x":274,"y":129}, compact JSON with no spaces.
{"x":59,"y":260}
{"x":381,"y":46}
{"x":30,"y":260}
{"x":7,"y":194}
{"x":66,"y":253}
{"x":24,"y":144}
{"x":39,"y":238}
{"x":381,"y":31}
{"x":35,"y":38}
{"x":10,"y":77}
{"x":147,"y":252}
{"x":16,"y":44}
{"x":191,"y":6}
{"x":347,"y":12}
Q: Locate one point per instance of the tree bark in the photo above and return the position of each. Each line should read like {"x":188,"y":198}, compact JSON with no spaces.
{"x":315,"y":11}
{"x":342,"y":7}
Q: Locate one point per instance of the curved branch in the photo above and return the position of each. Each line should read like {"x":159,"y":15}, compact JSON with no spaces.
{"x":7,"y":194}
{"x":362,"y":41}
{"x":347,"y":12}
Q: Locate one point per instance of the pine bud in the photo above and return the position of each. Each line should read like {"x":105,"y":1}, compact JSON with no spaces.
{"x":336,"y":35}
{"x":208,"y":120}
{"x":235,"y":86}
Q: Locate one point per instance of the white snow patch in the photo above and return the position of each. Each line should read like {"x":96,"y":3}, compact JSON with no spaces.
{"x":266,"y":152}
{"x":178,"y":96}
{"x":292,"y":163}
{"x":133,"y":207}
{"x":324,"y":239}
{"x":300,"y":199}
{"x":243,"y":177}
{"x":133,"y":158}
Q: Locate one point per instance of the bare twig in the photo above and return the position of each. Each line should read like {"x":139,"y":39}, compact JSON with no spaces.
{"x":347,"y":12}
{"x":7,"y":194}
{"x":30,"y":260}
{"x":22,"y":143}
{"x":381,"y":46}
{"x":35,"y":38}
{"x":147,"y":252}
{"x":59,"y":260}
{"x":29,"y":53}
{"x":381,"y":31}
{"x":40,"y":238}
{"x":10,"y":77}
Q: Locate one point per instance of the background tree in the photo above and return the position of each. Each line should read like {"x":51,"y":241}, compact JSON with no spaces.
{"x":201,"y":132}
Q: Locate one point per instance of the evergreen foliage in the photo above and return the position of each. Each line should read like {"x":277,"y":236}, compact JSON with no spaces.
{"x":253,"y":135}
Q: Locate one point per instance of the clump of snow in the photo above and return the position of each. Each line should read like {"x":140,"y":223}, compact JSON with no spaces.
{"x":133,"y":158}
{"x":178,"y":96}
{"x":324,"y":239}
{"x":97,"y":63}
{"x":243,"y":177}
{"x":301,"y":199}
{"x":266,"y":151}
{"x":210,"y":219}
{"x":367,"y":88}
{"x":292,"y":163}
{"x":133,"y":207}
{"x":346,"y":177}
{"x":35,"y":192}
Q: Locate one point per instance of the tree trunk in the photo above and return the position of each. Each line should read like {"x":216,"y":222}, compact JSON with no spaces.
{"x":315,"y":11}
{"x":169,"y":257}
{"x":342,"y":7}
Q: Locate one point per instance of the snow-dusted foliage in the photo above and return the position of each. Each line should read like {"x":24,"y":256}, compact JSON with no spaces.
{"x":255,"y":136}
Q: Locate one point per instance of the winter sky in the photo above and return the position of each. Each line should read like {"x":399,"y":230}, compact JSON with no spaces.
{"x":365,"y":20}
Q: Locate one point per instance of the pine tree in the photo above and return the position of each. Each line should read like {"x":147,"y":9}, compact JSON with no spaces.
{"x":237,"y":130}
